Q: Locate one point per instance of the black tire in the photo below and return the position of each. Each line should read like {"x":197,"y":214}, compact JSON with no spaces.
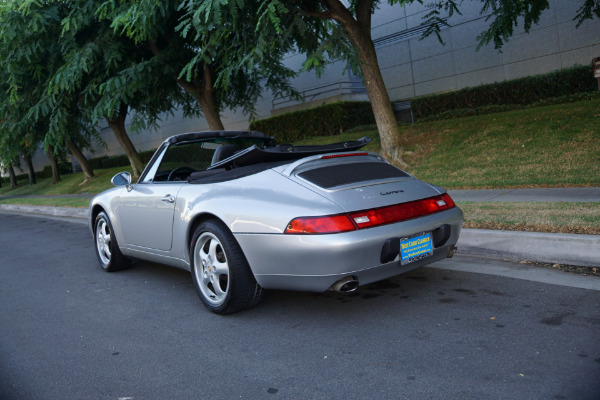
{"x":107,"y":249}
{"x":220,"y":271}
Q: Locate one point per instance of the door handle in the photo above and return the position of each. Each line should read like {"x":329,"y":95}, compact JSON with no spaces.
{"x":168,"y":199}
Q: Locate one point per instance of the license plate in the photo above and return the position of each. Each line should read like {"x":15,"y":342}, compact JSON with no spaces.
{"x":415,"y":248}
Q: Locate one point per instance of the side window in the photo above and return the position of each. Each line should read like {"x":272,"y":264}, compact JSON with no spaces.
{"x":180,"y":160}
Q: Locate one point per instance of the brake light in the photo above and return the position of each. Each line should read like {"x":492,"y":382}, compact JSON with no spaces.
{"x":401,"y":212}
{"x":344,"y":155}
{"x":314,"y":225}
{"x":370,"y":218}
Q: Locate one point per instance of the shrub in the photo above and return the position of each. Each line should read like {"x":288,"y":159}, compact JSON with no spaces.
{"x":490,"y":109}
{"x":121,"y":160}
{"x":326,"y":120}
{"x":63,"y":169}
{"x":520,"y":91}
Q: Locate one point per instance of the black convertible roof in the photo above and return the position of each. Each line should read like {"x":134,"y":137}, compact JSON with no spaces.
{"x":207,"y":135}
{"x":285,"y":152}
{"x":254,"y":159}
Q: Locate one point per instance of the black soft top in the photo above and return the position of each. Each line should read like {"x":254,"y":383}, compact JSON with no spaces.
{"x":207,"y":135}
{"x":254,"y":159}
{"x":286,"y":152}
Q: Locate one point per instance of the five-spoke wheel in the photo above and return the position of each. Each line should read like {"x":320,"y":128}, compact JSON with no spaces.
{"x":211,"y":268}
{"x":103,"y":241}
{"x":220,"y":271}
{"x":107,"y":249}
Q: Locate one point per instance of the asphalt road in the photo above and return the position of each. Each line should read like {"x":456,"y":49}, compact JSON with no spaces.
{"x":71,"y":331}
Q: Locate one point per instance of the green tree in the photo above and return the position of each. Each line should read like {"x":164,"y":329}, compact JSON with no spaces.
{"x":211,"y":59}
{"x":112,"y":75}
{"x":30,"y":54}
{"x":352,"y":20}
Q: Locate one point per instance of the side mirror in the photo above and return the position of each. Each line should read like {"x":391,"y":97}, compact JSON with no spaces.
{"x":122,"y":179}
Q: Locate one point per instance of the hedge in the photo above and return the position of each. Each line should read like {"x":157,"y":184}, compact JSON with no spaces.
{"x":466,"y":112}
{"x":121,"y":160}
{"x":326,"y":120}
{"x":522,"y":91}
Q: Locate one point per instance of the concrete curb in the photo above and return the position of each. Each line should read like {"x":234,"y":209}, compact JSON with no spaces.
{"x":555,"y":248}
{"x":70,"y":212}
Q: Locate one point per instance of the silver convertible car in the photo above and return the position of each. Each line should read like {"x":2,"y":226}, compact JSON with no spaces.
{"x":243,"y":215}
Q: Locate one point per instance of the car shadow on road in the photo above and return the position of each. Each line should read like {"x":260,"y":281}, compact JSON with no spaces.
{"x":422,"y":287}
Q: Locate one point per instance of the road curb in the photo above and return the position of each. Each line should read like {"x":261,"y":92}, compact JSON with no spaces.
{"x":555,"y":248}
{"x":71,"y":212}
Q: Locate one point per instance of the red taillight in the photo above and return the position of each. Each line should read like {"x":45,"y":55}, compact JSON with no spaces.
{"x":314,"y":225}
{"x":446,"y":197}
{"x":370,"y":218}
{"x":344,"y":155}
{"x":401,"y":212}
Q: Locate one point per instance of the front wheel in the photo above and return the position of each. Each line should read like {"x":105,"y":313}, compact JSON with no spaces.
{"x":221,"y":274}
{"x":108,"y":252}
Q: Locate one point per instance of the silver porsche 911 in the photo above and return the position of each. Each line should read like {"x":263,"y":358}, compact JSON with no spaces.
{"x":243,"y":215}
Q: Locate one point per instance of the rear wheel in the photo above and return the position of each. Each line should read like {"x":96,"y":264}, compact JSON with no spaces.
{"x":221,"y":274}
{"x":110,"y":257}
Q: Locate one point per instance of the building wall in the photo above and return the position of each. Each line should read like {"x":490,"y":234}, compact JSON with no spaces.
{"x":413,"y":67}
{"x":417,"y":67}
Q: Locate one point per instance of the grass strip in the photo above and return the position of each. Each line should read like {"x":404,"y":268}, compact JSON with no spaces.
{"x":555,"y":217}
{"x":49,"y":201}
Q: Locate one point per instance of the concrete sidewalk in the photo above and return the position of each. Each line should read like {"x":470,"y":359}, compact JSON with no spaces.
{"x":554,"y":248}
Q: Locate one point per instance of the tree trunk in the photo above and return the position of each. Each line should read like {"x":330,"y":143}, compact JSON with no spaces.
{"x":207,"y":101}
{"x":358,"y":32}
{"x":30,"y":171}
{"x":88,"y":172}
{"x":54,"y":164}
{"x":203,"y":91}
{"x":118,"y":127}
{"x":12,"y":177}
{"x":389,"y":133}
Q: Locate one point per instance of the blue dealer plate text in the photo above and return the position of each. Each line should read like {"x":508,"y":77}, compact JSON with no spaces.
{"x":415,"y":248}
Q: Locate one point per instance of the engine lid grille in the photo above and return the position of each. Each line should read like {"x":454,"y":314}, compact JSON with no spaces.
{"x":345,"y":174}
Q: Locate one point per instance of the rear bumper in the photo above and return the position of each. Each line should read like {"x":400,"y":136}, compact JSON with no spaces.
{"x":315,"y":262}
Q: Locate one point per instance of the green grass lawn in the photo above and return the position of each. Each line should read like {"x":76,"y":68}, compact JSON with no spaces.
{"x":551,"y":146}
{"x":70,"y":184}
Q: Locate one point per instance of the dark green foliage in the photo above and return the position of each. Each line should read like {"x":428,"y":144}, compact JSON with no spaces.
{"x":326,"y":120}
{"x":105,"y":162}
{"x":63,"y":169}
{"x":465,"y":112}
{"x":520,"y":91}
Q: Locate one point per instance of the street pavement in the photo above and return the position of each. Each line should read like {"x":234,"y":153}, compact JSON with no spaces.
{"x":461,"y":329}
{"x":553,"y":248}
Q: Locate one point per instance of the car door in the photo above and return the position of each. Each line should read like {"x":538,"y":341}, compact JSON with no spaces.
{"x":146,"y":215}
{"x":146,"y":211}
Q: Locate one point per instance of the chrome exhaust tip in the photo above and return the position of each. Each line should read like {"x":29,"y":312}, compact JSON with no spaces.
{"x":451,"y":251}
{"x":345,"y":285}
